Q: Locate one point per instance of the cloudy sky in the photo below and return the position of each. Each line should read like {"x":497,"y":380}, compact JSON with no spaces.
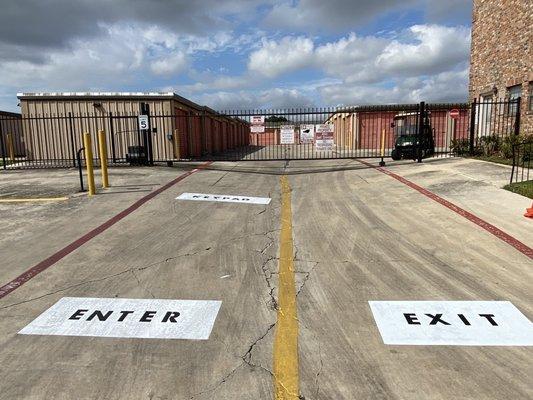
{"x":239,"y":54}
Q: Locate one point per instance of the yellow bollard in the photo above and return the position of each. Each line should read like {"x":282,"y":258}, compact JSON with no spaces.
{"x":11,"y":147}
{"x":103,"y":158}
{"x":89,"y":162}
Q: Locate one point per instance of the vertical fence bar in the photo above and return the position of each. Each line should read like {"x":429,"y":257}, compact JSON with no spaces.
{"x":112,"y":136}
{"x":517,"y":117}
{"x":72,"y":144}
{"x":420,"y":131}
{"x":2,"y":145}
{"x":472,"y":126}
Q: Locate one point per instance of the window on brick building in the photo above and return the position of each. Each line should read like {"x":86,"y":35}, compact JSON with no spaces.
{"x":513,"y":93}
{"x":530,"y":97}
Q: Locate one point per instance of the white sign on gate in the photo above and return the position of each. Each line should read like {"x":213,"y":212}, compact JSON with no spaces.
{"x":144,"y":122}
{"x":257,"y":124}
{"x":307,"y":133}
{"x":452,"y":323}
{"x":287,"y":134}
{"x":127,"y":318}
{"x":324,"y":139}
{"x":226,"y":198}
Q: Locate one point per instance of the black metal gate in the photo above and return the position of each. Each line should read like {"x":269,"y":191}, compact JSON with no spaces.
{"x":412,"y":131}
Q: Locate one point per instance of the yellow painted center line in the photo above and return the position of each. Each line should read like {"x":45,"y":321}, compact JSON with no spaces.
{"x":29,"y":199}
{"x":286,"y":381}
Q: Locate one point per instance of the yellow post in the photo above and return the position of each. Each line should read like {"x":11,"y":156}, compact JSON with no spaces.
{"x":11,"y":147}
{"x":89,"y":162}
{"x":103,"y":158}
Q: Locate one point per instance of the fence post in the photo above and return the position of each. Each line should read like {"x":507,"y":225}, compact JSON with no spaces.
{"x":147,"y":135}
{"x":420,"y":131}
{"x":190,"y":135}
{"x":11,"y":147}
{"x":112,"y":134}
{"x":89,"y":162}
{"x":2,"y":146}
{"x":203,"y":136}
{"x":472,"y":126}
{"x":72,"y":146}
{"x":514,"y":163}
{"x":79,"y":168}
{"x":517,"y":117}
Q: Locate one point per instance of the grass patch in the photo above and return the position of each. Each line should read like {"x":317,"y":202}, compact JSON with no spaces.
{"x":495,"y":159}
{"x":524,"y":188}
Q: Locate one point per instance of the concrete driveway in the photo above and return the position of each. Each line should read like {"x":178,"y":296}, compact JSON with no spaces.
{"x":336,"y":235}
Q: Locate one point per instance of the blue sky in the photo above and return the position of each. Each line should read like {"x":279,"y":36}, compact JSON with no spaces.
{"x":239,"y":54}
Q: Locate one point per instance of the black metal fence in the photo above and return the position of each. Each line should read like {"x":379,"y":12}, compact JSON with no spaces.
{"x":522,"y":160}
{"x":412,"y":131}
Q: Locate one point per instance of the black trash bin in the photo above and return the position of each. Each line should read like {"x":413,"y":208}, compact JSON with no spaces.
{"x":137,"y":155}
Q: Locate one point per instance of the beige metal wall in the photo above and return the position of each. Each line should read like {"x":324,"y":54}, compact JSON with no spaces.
{"x":51,"y":134}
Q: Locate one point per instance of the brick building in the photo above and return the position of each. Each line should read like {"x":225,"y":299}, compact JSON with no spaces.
{"x":501,"y":64}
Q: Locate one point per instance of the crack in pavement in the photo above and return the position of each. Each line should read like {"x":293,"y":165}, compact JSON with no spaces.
{"x":128,"y":270}
{"x":246,"y":360}
{"x":317,"y":382}
{"x":145,"y":288}
{"x":307,"y":276}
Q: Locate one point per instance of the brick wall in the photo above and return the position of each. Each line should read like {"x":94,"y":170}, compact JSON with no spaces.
{"x":502,"y":51}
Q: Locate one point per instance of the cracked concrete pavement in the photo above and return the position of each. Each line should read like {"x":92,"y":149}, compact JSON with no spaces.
{"x":358,"y":236}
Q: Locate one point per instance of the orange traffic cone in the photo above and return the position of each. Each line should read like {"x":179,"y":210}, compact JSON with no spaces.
{"x":529,"y":212}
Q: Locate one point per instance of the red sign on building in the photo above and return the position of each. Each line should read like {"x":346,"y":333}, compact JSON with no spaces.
{"x":454,"y":113}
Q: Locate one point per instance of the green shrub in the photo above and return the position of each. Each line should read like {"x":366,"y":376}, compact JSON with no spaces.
{"x":460,"y":147}
{"x":508,"y":142}
{"x":490,"y":145}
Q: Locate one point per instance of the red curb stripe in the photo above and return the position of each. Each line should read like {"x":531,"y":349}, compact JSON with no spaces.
{"x":517,"y":244}
{"x":43,"y":265}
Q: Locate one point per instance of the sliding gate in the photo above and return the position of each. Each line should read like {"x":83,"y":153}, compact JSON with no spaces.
{"x":422,"y":130}
{"x":337,"y":133}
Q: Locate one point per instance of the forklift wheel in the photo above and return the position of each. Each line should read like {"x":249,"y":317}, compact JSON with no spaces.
{"x":396,"y":155}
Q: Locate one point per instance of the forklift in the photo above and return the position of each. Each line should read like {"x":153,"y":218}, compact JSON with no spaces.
{"x":409,"y":143}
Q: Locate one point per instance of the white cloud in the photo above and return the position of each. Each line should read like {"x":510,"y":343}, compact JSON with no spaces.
{"x":124,"y":55}
{"x":444,"y":87}
{"x":275,"y":58}
{"x":170,"y":64}
{"x":275,"y":98}
{"x":436,"y":48}
{"x":218,"y":83}
{"x":419,"y":50}
{"x":351,"y":58}
{"x":332,"y":15}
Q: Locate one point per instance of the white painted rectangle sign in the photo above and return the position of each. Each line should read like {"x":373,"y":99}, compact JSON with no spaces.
{"x":127,"y":318}
{"x":324,"y":138}
{"x":227,"y":198}
{"x":257,"y":120}
{"x":257,"y":128}
{"x":453,"y":323}
{"x":144,"y":122}
{"x":287,"y":134}
{"x":257,"y":124}
{"x":307,"y":133}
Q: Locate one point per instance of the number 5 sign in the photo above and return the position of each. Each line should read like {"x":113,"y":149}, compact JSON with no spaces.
{"x":143,"y":122}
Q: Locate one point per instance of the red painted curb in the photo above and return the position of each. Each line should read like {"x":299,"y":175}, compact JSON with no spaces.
{"x":43,"y":265}
{"x":518,"y":245}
